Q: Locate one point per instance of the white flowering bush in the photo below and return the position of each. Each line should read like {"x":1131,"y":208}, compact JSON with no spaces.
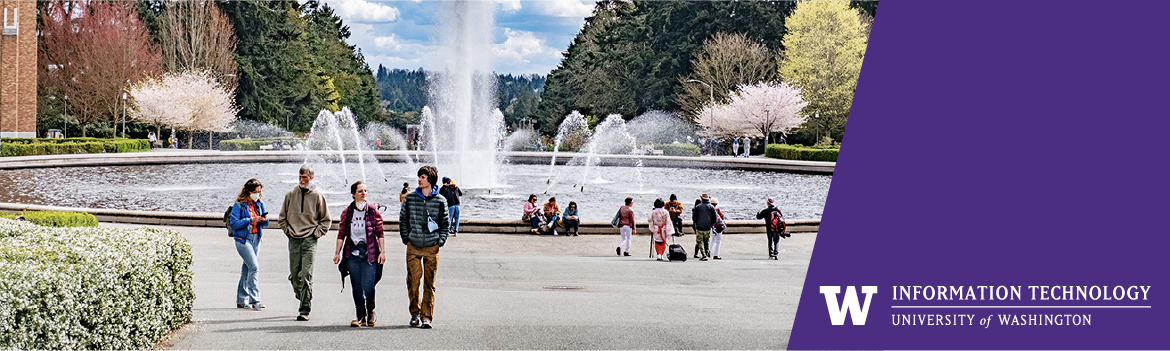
{"x":91,"y":288}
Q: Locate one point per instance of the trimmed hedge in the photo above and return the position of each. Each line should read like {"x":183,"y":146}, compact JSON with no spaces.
{"x":91,"y":288}
{"x":57,"y":219}
{"x":42,"y":146}
{"x":253,"y":144}
{"x":679,"y":149}
{"x":800,"y":152}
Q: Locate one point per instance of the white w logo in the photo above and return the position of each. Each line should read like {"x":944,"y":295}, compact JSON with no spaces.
{"x":848,"y":303}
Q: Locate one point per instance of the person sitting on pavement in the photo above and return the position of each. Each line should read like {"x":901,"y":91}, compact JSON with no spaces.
{"x":572,"y":219}
{"x":552,"y":211}
{"x":531,"y":214}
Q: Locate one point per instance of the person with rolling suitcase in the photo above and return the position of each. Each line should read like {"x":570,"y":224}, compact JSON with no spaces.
{"x":660,"y":227}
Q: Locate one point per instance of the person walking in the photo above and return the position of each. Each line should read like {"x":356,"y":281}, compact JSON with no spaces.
{"x":774,"y":222}
{"x":675,"y":209}
{"x":360,"y":236}
{"x":747,"y":147}
{"x":451,"y":192}
{"x":402,"y":196}
{"x":572,"y":219}
{"x":424,"y":227}
{"x":735,"y":146}
{"x":703,"y":216}
{"x":626,"y":225}
{"x":552,"y":211}
{"x":304,"y":217}
{"x":660,"y":227}
{"x":530,"y":214}
{"x":248,"y":218}
{"x":717,"y":231}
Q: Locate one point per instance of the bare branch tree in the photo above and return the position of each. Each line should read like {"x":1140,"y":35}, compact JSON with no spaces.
{"x":198,"y":36}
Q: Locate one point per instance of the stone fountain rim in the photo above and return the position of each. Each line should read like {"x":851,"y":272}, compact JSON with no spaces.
{"x":516,"y":157}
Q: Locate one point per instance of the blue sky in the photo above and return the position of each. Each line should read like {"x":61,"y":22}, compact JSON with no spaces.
{"x":529,"y":35}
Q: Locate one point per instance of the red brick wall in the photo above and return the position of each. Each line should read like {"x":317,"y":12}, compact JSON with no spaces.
{"x":18,"y":70}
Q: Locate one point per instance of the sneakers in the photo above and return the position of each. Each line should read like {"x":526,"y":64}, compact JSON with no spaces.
{"x":426,"y":324}
{"x":619,"y":250}
{"x":717,"y":258}
{"x":534,"y":231}
{"x":555,"y":232}
{"x":704,"y":258}
{"x":304,"y":317}
{"x":414,"y":320}
{"x":357,"y":323}
{"x":627,"y":254}
{"x":371,"y":320}
{"x":257,"y":306}
{"x":240,"y":305}
{"x":771,"y":257}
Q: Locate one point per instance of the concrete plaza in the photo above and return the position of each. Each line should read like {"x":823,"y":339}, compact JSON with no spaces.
{"x":500,"y":291}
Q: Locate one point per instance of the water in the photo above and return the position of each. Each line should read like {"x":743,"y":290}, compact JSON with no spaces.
{"x":212,"y":187}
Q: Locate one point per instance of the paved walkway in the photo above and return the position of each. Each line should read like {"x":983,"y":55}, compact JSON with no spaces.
{"x":509,"y":292}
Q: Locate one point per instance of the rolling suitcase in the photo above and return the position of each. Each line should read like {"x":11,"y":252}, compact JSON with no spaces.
{"x":675,"y":252}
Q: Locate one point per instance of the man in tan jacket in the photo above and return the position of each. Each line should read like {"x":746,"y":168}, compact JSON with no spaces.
{"x":303,"y":218}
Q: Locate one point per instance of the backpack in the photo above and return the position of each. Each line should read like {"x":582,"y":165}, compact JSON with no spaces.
{"x":776,"y":221}
{"x":719,"y":225}
{"x":227,"y":219}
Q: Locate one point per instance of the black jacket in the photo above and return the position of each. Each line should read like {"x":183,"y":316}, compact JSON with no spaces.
{"x":703,"y":215}
{"x":452,"y":193}
{"x":765,"y":214}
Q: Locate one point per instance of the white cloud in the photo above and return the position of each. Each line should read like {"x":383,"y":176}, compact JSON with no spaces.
{"x":388,"y":43}
{"x":360,"y":11}
{"x":568,"y":8}
{"x":524,"y":51}
{"x":509,"y":5}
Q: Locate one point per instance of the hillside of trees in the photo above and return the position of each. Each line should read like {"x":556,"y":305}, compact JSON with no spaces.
{"x":404,"y":93}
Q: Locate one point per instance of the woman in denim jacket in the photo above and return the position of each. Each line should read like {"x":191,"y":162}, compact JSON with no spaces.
{"x":360,"y":238}
{"x":247,"y":220}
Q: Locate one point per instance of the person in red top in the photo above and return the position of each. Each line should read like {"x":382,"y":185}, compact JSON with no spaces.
{"x":626,"y":225}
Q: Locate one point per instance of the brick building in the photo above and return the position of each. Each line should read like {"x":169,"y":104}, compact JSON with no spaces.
{"x":18,"y":69}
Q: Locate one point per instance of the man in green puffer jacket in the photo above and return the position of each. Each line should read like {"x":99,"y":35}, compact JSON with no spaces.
{"x":423,"y":225}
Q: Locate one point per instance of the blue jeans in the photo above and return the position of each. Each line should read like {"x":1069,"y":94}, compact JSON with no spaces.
{"x":361,"y":276}
{"x":552,"y":220}
{"x":453,"y":214}
{"x":535,"y":221}
{"x":247,"y":292}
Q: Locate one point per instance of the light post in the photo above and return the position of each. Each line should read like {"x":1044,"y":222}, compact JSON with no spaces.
{"x":710,"y":90}
{"x":123,"y":115}
{"x":65,"y":131}
{"x":767,"y":123}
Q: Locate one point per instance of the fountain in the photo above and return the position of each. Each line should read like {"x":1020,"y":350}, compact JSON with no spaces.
{"x":464,"y":129}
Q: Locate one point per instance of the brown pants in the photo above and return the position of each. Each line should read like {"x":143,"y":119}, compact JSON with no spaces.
{"x":425,"y":271}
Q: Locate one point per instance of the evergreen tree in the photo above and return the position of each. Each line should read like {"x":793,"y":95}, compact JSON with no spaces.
{"x":276,"y":81}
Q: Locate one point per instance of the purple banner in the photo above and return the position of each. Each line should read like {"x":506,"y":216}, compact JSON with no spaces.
{"x":1001,"y":184}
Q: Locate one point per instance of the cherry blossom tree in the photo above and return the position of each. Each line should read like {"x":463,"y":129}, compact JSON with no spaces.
{"x":192,"y":101}
{"x":756,"y":110}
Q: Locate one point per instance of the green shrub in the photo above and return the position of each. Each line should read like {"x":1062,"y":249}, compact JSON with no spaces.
{"x":4,"y":214}
{"x":799,"y":152}
{"x":41,"y":146}
{"x":91,"y":288}
{"x":679,"y":149}
{"x":254,"y":144}
{"x":60,"y":218}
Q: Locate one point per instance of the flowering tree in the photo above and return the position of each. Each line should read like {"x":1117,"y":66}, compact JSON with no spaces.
{"x":192,"y":101}
{"x":91,"y":52}
{"x":757,"y":109}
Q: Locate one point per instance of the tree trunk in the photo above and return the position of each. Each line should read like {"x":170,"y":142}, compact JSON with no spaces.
{"x":190,"y":137}
{"x":210,"y":139}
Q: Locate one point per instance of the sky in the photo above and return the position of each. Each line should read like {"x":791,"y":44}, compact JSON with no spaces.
{"x":530,"y":35}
